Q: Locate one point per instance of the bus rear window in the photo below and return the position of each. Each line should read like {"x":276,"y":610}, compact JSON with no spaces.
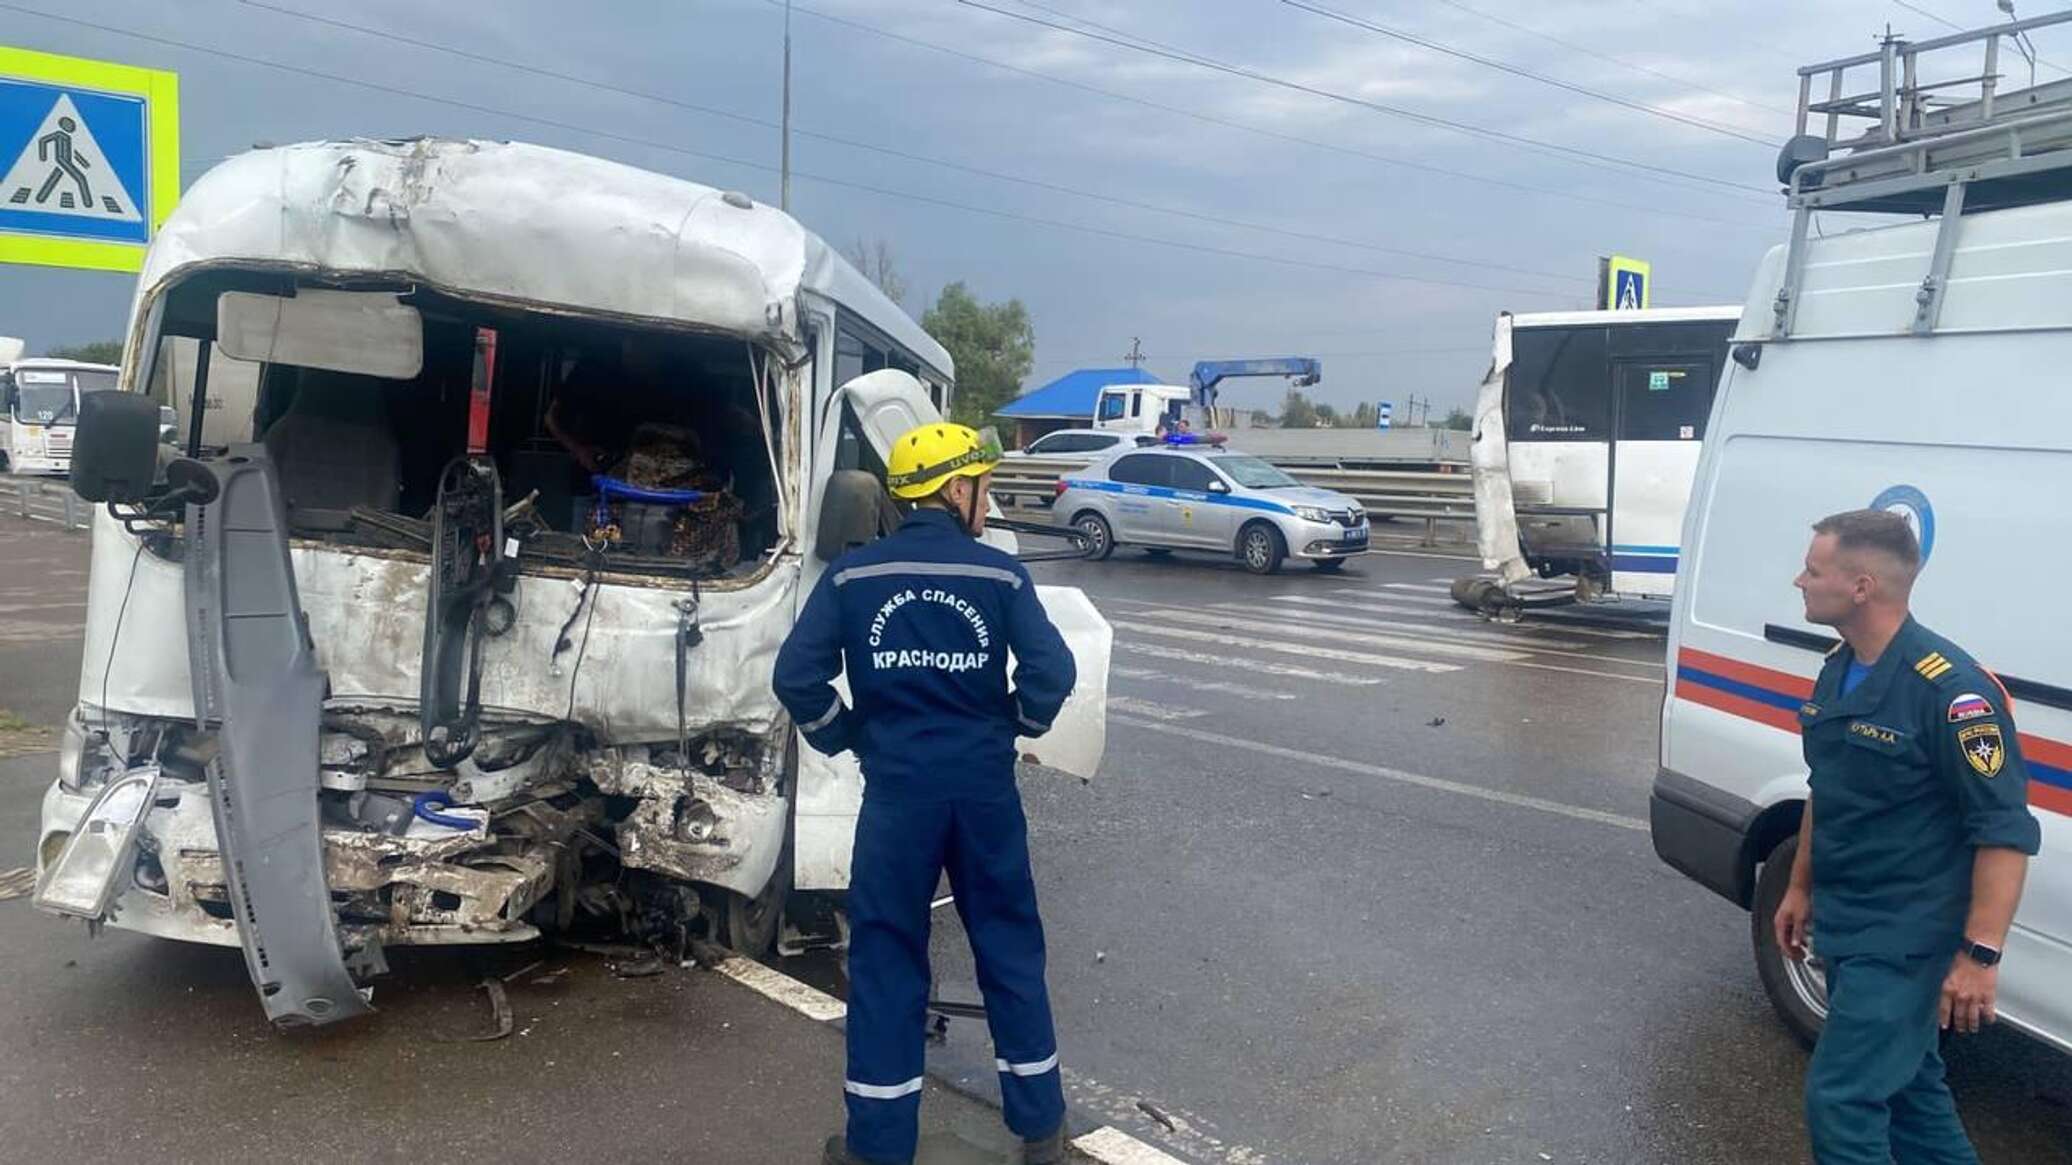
{"x":1558,"y":387}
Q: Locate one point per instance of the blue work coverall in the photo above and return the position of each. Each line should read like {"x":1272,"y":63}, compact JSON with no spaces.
{"x":923,"y":621}
{"x":1913,"y":771}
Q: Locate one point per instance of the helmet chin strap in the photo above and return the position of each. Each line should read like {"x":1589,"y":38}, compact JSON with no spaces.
{"x":971,"y":504}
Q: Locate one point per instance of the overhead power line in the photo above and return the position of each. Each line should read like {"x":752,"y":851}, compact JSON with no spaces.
{"x":1528,"y":74}
{"x":1573,"y":152}
{"x":1276,"y":135}
{"x":1946,"y":22}
{"x":904,"y":155}
{"x":1623,"y":63}
{"x":903,"y":195}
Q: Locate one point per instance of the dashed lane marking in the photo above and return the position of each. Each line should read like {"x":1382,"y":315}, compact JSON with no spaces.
{"x":1555,"y":626}
{"x":1253,"y":622}
{"x":1241,"y":663}
{"x":1153,"y":675}
{"x":1111,"y":1146}
{"x":1555,"y":648}
{"x":1107,"y":1144}
{"x":805,"y":999}
{"x":1154,"y":710}
{"x":1304,"y":650}
{"x":1399,"y":776}
{"x":1447,"y":591}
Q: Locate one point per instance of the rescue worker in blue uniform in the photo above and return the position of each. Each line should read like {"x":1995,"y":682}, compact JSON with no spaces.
{"x":923,"y":621}
{"x":1920,"y":836}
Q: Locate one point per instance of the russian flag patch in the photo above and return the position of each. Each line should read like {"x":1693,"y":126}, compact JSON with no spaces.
{"x":1969,"y":706}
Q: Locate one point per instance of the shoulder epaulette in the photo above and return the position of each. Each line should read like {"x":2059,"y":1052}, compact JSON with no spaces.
{"x":1933,"y":666}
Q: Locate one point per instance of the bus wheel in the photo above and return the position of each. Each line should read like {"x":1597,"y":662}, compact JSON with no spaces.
{"x":1798,"y":991}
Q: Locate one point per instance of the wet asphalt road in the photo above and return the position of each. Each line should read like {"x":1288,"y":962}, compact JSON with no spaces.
{"x":1363,"y":880}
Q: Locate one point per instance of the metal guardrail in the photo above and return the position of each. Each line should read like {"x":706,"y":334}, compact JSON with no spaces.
{"x":45,"y":500}
{"x":1386,"y":493}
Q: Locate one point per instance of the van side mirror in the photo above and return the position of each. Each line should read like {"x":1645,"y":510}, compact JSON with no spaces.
{"x":850,"y":510}
{"x":115,"y":447}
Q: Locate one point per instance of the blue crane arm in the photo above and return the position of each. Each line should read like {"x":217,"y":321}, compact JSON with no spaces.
{"x":1304,"y":370}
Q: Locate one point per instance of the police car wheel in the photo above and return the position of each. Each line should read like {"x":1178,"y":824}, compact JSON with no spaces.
{"x":1798,"y":991}
{"x":1259,"y":548}
{"x":1100,"y":540}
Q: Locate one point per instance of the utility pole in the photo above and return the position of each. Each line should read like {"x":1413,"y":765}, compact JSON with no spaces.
{"x":784,"y":164}
{"x":1136,"y":353}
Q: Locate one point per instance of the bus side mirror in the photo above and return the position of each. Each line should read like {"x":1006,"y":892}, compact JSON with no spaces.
{"x":115,"y":447}
{"x":849,"y":513}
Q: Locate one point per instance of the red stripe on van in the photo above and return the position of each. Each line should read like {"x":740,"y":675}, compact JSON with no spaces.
{"x":1796,"y":686}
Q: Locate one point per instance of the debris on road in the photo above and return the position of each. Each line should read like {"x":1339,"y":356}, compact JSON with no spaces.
{"x":16,"y":883}
{"x":1151,"y":1110}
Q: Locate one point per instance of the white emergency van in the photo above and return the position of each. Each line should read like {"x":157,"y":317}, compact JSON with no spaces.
{"x":1909,"y":367}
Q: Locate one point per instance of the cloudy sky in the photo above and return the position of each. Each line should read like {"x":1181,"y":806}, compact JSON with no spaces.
{"x":1221,"y":179}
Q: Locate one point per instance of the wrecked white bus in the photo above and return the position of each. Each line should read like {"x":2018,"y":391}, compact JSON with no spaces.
{"x":464,"y":634}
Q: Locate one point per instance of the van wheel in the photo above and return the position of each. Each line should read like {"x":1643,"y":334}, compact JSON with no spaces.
{"x":1260,"y":548}
{"x":1100,"y":539}
{"x":1798,"y":991}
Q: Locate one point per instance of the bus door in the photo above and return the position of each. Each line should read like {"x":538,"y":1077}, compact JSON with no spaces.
{"x":1658,"y":425}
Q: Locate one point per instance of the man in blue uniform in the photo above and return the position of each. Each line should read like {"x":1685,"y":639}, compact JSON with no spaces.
{"x":1920,"y":836}
{"x":923,"y":621}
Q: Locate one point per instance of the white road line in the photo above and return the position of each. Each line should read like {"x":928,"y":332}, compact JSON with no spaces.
{"x":1240,"y":663}
{"x":1153,"y":710}
{"x":808,"y":1001}
{"x":1557,"y":648}
{"x":1111,"y":1146}
{"x":1328,"y":612}
{"x":1253,"y":621}
{"x":1401,"y":597}
{"x":1399,"y":776}
{"x":1301,"y":649}
{"x":1249,"y":691}
{"x":1447,"y":591}
{"x":1553,"y":627}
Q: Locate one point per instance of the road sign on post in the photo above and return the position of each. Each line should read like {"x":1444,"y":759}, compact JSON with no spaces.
{"x":89,"y":160}
{"x":1626,"y":283}
{"x":1382,"y":413}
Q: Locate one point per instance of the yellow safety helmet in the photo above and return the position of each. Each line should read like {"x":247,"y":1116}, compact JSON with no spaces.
{"x":926,"y":458}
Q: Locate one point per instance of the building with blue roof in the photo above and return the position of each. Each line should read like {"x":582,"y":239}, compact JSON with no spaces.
{"x":1065,"y":403}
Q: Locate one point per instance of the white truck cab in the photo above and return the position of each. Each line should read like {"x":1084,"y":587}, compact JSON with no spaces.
{"x":1138,"y":408}
{"x":1909,"y":368}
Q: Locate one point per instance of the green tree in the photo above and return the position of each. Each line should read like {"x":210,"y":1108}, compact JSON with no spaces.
{"x":1261,"y":419}
{"x":1327,"y":416}
{"x":1363,"y":417}
{"x":993,"y":345}
{"x":1297,"y":412}
{"x":97,"y":352}
{"x":1459,"y":419}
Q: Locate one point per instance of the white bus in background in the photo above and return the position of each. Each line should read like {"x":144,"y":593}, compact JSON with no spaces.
{"x":41,"y":399}
{"x":1588,"y":429}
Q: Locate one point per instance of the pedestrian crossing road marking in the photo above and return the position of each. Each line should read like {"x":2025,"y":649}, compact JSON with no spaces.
{"x":1240,"y":663}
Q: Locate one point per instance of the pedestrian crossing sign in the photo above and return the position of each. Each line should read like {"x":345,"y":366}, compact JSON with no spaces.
{"x":89,"y":160}
{"x":1627,"y":287}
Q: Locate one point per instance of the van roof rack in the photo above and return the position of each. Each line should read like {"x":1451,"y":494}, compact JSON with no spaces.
{"x":1934,"y":134}
{"x":1934,"y":115}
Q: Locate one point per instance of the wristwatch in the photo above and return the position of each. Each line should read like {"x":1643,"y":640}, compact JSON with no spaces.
{"x":1980,"y":953}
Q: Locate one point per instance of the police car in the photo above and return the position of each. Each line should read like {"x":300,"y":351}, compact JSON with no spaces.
{"x":1200,"y":496}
